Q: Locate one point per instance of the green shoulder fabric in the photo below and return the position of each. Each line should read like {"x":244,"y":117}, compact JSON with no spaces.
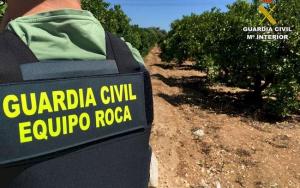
{"x":64,"y":35}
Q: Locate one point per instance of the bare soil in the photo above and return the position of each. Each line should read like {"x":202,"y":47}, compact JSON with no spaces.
{"x":236,"y":150}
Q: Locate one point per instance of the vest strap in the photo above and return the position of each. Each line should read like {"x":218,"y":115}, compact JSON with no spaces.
{"x":13,"y":53}
{"x":117,"y":49}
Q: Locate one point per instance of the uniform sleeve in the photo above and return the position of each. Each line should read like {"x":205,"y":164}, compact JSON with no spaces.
{"x":136,"y":54}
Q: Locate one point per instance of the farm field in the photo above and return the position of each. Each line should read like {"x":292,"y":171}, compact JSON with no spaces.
{"x":203,"y":139}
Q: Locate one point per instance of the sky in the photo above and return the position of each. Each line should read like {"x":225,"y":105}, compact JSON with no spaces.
{"x":160,"y":13}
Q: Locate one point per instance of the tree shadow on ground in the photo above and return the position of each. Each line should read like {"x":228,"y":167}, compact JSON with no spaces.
{"x":173,"y":67}
{"x":196,"y":92}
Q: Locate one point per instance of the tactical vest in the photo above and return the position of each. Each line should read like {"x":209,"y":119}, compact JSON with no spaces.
{"x":73,"y":123}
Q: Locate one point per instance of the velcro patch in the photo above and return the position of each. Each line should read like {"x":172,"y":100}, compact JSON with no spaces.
{"x":43,"y":117}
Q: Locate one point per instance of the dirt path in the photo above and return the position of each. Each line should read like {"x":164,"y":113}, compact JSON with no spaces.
{"x":235,"y":151}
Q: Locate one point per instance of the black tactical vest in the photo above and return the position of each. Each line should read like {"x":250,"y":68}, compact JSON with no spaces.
{"x":73,"y":124}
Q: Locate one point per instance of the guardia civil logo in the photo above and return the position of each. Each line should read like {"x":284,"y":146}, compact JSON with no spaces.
{"x":267,"y":13}
{"x":269,"y":28}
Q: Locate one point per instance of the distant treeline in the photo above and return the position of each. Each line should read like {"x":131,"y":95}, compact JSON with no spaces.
{"x":116,"y":21}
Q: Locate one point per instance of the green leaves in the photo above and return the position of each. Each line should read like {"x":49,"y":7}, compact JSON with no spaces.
{"x":2,"y":11}
{"x":217,"y":42}
{"x":116,"y":21}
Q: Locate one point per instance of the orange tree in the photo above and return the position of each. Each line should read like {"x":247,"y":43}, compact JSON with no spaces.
{"x":217,"y":43}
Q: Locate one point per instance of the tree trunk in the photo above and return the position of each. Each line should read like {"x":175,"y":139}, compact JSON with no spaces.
{"x":259,"y":87}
